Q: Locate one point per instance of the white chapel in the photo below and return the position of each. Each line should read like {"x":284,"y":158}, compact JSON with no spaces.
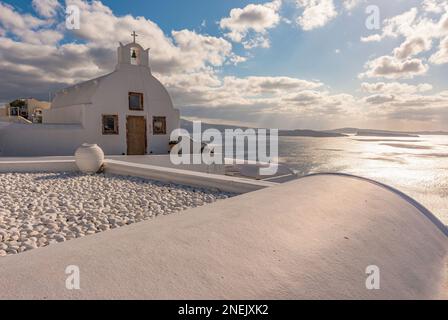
{"x":126,"y":112}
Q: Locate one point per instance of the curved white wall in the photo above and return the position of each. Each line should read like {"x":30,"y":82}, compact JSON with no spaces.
{"x":311,"y":238}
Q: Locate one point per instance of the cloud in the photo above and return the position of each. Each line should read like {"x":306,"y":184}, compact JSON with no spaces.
{"x":254,"y":98}
{"x":431,"y":115}
{"x":305,"y":98}
{"x":372,"y":38}
{"x":421,"y":101}
{"x":316,"y":13}
{"x":409,"y":110}
{"x":396,"y":88}
{"x":380,"y":98}
{"x":207,"y":90}
{"x":417,"y":100}
{"x":392,"y":68}
{"x":46,"y":8}
{"x":441,"y":56}
{"x":412,"y":47}
{"x":27,"y":27}
{"x":401,"y":24}
{"x":350,"y":4}
{"x":250,"y":24}
{"x":419,"y":27}
{"x":186,"y":51}
{"x":13,"y":20}
{"x":393,"y":27}
{"x":434,"y":6}
{"x":203,"y":48}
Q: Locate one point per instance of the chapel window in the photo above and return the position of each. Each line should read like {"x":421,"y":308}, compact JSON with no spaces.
{"x":110,"y":124}
{"x":135,"y":101}
{"x":159,"y":125}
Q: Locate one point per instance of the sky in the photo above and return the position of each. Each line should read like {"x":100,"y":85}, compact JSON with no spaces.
{"x":311,"y":64}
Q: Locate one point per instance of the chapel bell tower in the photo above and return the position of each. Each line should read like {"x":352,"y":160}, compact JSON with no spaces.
{"x":133,"y":54}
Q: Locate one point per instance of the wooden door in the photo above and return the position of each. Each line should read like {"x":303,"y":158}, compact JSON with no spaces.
{"x":136,"y":135}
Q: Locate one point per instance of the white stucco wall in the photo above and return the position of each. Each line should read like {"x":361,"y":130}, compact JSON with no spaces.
{"x":24,"y":140}
{"x":66,"y":115}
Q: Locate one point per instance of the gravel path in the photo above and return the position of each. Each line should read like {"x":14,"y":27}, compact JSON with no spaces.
{"x":39,"y":209}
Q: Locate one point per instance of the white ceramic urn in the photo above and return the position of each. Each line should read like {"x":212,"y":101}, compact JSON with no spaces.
{"x":89,"y":158}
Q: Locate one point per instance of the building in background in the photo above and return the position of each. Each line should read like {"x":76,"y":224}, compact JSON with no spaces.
{"x":3,"y":111}
{"x":21,"y":110}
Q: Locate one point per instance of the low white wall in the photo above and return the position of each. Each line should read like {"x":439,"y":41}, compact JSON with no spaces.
{"x":165,"y":174}
{"x":186,"y":177}
{"x":17,"y":140}
{"x":8,"y":165}
{"x":165,"y":161}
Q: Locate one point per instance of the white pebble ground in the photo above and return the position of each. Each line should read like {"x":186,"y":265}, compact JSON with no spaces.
{"x":39,"y":209}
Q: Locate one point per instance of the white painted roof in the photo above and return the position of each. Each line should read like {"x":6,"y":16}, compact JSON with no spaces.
{"x":309,"y":238}
{"x":81,"y":93}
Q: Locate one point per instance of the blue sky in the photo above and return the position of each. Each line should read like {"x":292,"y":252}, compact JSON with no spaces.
{"x":298,"y":63}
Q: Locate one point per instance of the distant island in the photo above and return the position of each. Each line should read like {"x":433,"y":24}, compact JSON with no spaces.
{"x":385,"y":133}
{"x":309,"y":133}
{"x":364,"y":133}
{"x":340,"y":132}
{"x":188,"y":125}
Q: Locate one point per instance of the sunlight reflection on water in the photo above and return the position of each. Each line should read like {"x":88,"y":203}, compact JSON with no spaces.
{"x":416,"y":166}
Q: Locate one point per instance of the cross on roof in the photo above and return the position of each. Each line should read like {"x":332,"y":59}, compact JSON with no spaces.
{"x":134,"y":35}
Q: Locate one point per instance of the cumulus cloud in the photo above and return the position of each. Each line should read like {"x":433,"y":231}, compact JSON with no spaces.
{"x":434,"y":6}
{"x":185,"y":51}
{"x":256,"y":19}
{"x":419,"y":30}
{"x":27,"y":27}
{"x":420,"y":101}
{"x":46,"y":8}
{"x":396,"y":88}
{"x":210,"y":91}
{"x":350,"y":4}
{"x":420,"y":115}
{"x":203,"y":48}
{"x":393,"y":102}
{"x":441,"y":56}
{"x":393,"y":27}
{"x":392,"y":68}
{"x":250,"y":99}
{"x":411,"y":110}
{"x":372,"y":38}
{"x":380,"y":98}
{"x":412,"y":47}
{"x":316,"y":13}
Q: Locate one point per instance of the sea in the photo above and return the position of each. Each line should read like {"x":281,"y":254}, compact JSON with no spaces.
{"x":417,"y":166}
